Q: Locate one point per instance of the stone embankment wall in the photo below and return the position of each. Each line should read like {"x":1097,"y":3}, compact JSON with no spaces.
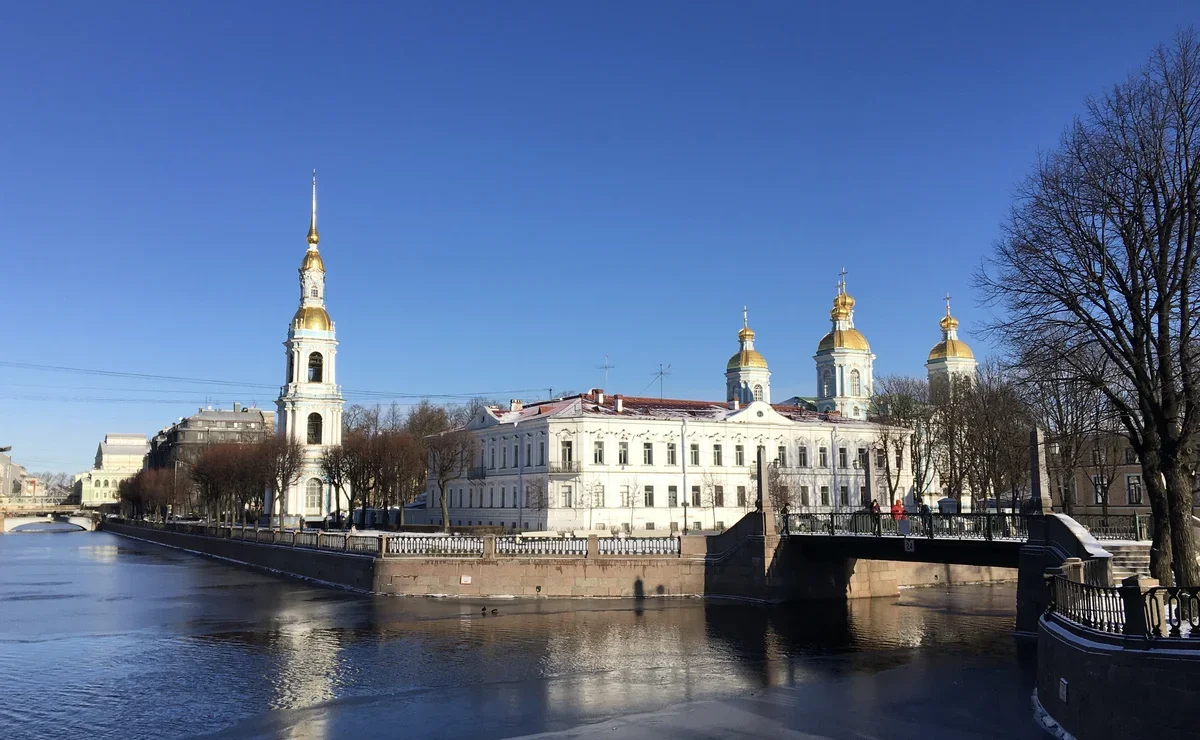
{"x":340,"y":569}
{"x":740,"y":562}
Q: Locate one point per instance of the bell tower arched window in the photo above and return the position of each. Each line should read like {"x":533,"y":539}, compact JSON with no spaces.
{"x":312,"y":494}
{"x":314,"y":429}
{"x":313,"y":292}
{"x":826,"y":377}
{"x":758,"y":393}
{"x":855,"y":384}
{"x":291,"y":378}
{"x":316,"y":365}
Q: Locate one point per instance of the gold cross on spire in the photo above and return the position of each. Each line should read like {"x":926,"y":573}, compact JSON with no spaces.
{"x":947,"y":303}
{"x":842,"y":283}
{"x":745,"y":320}
{"x":313,"y":237}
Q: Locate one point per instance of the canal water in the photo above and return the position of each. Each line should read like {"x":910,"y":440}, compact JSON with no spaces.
{"x":105,"y":637}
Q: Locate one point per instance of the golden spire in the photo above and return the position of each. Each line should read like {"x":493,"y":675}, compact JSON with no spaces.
{"x":746,"y":332}
{"x":313,"y":237}
{"x":842,"y":302}
{"x":948,"y":322}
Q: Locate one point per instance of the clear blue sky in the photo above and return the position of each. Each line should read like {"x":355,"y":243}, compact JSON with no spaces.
{"x":509,"y":191}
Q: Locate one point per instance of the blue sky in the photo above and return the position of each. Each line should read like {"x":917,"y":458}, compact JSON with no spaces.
{"x":509,"y":191}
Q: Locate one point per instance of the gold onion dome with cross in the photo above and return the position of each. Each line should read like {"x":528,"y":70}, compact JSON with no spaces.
{"x":312,"y":317}
{"x":747,"y":356}
{"x":950,"y":346}
{"x":843,"y":335}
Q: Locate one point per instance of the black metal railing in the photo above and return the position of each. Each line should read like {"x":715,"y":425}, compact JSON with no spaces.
{"x":1117,"y":526}
{"x":478,"y":472}
{"x":1099,"y":608}
{"x":1004,"y":527}
{"x":564,"y":466}
{"x":1173,"y":612}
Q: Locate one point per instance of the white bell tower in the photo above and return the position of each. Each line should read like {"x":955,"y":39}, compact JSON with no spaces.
{"x":310,"y":401}
{"x":845,"y":364}
{"x":747,"y":378}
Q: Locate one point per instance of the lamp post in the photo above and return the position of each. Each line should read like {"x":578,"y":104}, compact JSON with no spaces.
{"x":685,"y":519}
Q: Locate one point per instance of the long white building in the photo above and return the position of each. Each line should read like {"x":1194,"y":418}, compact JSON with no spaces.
{"x":597,"y":462}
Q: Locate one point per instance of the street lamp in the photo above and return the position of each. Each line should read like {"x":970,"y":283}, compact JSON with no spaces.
{"x":685,"y":519}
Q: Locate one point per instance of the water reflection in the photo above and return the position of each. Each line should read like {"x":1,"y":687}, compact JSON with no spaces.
{"x":133,"y":640}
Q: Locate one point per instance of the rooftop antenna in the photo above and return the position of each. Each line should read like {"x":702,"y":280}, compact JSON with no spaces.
{"x":606,"y":367}
{"x":662,"y":373}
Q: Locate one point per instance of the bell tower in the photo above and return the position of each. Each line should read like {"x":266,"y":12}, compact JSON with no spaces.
{"x":310,"y":401}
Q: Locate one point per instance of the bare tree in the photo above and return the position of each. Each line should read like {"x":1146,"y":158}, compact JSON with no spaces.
{"x":537,"y":498}
{"x":1102,"y":247}
{"x":335,"y":466}
{"x":284,"y":459}
{"x":450,"y":455}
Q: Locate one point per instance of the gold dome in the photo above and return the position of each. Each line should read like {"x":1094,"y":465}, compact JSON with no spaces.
{"x":844,"y":339}
{"x":312,"y":318}
{"x":312,"y":261}
{"x":948,"y":322}
{"x":745,"y":333}
{"x":746,"y":358}
{"x":950,"y":348}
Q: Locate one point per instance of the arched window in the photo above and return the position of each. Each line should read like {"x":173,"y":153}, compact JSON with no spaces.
{"x":313,"y":292}
{"x":291,"y":378}
{"x":106,"y":484}
{"x":314,"y":429}
{"x":316,"y":364}
{"x":97,"y":482}
{"x":312,"y":493}
{"x":855,"y":412}
{"x":758,"y":395}
{"x":855,"y":384}
{"x":826,"y":391}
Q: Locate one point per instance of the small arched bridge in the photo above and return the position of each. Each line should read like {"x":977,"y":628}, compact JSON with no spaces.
{"x":35,"y":523}
{"x":965,"y":539}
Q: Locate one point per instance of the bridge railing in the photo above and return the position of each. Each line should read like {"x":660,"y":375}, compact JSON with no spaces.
{"x":1117,"y":526}
{"x":562,"y":547}
{"x":1010,"y":527}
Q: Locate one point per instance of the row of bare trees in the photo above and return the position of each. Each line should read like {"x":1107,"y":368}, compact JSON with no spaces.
{"x":1096,"y":278}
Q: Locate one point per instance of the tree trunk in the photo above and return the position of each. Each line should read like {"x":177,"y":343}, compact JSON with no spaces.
{"x":1183,"y":545}
{"x":445,"y":506}
{"x":1160,"y":546}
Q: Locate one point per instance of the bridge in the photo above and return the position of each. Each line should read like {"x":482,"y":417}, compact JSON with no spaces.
{"x":10,"y":523}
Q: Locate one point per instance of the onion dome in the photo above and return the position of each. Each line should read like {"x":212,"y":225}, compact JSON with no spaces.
{"x":843,"y":335}
{"x":312,"y":318}
{"x":747,"y":356}
{"x":844,"y":339}
{"x":950,"y":346}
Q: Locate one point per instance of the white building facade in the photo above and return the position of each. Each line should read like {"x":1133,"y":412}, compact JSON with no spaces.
{"x":118,"y":457}
{"x":601,"y":463}
{"x":310,"y":401}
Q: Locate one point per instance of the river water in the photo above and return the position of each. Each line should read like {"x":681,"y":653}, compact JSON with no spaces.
{"x":105,"y":637}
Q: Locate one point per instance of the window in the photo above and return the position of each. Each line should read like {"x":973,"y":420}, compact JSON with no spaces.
{"x":741,"y":496}
{"x":784,"y":495}
{"x":824,"y":495}
{"x":758,"y":393}
{"x":566,"y":497}
{"x":900,"y":459}
{"x":649,"y":525}
{"x":471,"y":497}
{"x":862,"y":496}
{"x":541,"y":453}
{"x":503,"y":457}
{"x":315,"y":366}
{"x":647,"y":453}
{"x":1099,"y":490}
{"x":864,"y":458}
{"x":823,"y":457}
{"x":672,"y":496}
{"x":313,"y":292}
{"x":855,"y":413}
{"x":1133,"y":489}
{"x":516,"y":455}
{"x":804,"y":495}
{"x":491,"y":497}
{"x":648,"y":498}
{"x":503,"y":495}
{"x":802,"y":455}
{"x":492,"y":462}
{"x":695,"y":454}
{"x":626,"y":501}
{"x":291,"y":378}
{"x":717,"y":459}
{"x":880,"y":458}
{"x":719,"y":496}
{"x":696,"y":526}
{"x":674,"y":526}
{"x":696,"y":497}
{"x":314,"y":429}
{"x":460,"y":496}
{"x":566,"y":452}
{"x":855,"y":383}
{"x":781,"y":456}
{"x":826,"y":384}
{"x":622,"y":453}
{"x":1130,"y":456}
{"x":671,"y":454}
{"x":845,"y":495}
{"x":739,"y":455}
{"x":1097,"y":457}
{"x":842,"y":460}
{"x":528,"y":453}
{"x":598,"y":453}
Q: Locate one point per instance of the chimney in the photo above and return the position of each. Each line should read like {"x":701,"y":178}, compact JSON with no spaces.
{"x":237,"y":406}
{"x":598,"y":393}
{"x":515,"y":404}
{"x":619,"y":402}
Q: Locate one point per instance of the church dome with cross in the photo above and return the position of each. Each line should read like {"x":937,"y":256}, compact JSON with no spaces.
{"x":951,"y":356}
{"x":844,"y":361}
{"x":747,"y":378}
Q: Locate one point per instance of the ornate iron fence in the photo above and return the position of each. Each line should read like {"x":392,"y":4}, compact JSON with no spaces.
{"x":638,"y":545}
{"x":1117,"y":526}
{"x":305,"y":539}
{"x":1173,"y":612}
{"x":366,"y":544}
{"x":1011,"y":527}
{"x":554,"y":546}
{"x":333,"y":541}
{"x":441,"y":545}
{"x":1099,"y":608}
